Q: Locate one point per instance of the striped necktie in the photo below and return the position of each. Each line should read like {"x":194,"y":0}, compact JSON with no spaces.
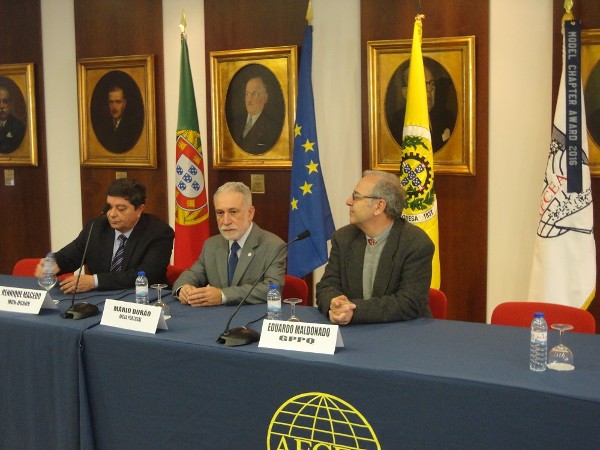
{"x":117,"y":260}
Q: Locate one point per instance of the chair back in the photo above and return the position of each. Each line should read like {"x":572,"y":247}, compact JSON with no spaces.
{"x":438,"y":303}
{"x":295,"y":287}
{"x":173,"y":273}
{"x":520,"y":314}
{"x":26,"y":268}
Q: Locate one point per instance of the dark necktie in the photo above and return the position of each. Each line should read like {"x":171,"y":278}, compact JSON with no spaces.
{"x":233,"y":260}
{"x":117,"y":260}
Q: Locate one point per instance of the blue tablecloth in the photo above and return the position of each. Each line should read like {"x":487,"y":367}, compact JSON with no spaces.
{"x":43,"y":401}
{"x":420,"y":384}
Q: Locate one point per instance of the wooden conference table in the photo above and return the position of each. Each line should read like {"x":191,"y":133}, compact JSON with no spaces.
{"x":420,"y":384}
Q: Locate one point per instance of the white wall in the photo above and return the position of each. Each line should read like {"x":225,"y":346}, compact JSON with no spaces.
{"x":519,"y":113}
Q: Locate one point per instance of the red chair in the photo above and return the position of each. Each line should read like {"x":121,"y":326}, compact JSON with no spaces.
{"x":438,"y":303}
{"x":295,"y":287}
{"x":520,"y":314}
{"x":26,"y":268}
{"x":173,"y":273}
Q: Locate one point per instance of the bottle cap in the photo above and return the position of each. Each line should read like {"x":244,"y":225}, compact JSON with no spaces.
{"x":538,"y":315}
{"x":273,"y":286}
{"x":141,"y":273}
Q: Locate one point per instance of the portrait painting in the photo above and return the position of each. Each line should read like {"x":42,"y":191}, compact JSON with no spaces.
{"x":449,"y":65}
{"x":590,"y":74}
{"x":18,"y":133}
{"x":254,"y":99}
{"x":116,"y":105}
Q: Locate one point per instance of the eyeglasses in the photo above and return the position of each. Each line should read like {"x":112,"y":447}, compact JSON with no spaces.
{"x":253,"y":95}
{"x":357,"y":196}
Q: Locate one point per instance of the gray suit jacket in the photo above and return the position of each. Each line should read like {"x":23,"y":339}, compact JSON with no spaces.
{"x":402,"y":280}
{"x":259,"y":250}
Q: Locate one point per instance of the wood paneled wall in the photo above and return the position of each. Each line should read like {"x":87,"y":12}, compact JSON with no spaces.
{"x":24,"y":210}
{"x":462,"y":200}
{"x":117,"y":28}
{"x":588,"y":11}
{"x":229,"y":27}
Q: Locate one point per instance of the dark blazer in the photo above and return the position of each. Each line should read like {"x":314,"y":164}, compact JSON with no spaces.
{"x":402,"y":280}
{"x":262,"y":136}
{"x":441,"y":123}
{"x":148,"y":248}
{"x":260,"y":250}
{"x":124,"y":137}
{"x":11,"y":135}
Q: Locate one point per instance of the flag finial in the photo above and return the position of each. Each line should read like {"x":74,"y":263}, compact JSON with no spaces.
{"x":183,"y":23}
{"x":309,"y":13}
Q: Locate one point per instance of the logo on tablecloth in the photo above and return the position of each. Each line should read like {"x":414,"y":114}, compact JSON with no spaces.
{"x":318,"y":420}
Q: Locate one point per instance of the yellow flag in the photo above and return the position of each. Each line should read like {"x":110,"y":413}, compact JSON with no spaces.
{"x":416,"y":165}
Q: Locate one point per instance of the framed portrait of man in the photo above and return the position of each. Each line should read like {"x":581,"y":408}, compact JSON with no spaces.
{"x":254,"y":101}
{"x":450,"y":84}
{"x":116,"y":111}
{"x":18,"y":132}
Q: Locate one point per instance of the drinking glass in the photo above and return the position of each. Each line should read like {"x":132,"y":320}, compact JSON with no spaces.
{"x":160,"y":303}
{"x":560,"y":357}
{"x":47,"y":281}
{"x":292,"y":302}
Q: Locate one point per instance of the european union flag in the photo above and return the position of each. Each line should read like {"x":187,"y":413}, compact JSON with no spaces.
{"x":309,"y":207}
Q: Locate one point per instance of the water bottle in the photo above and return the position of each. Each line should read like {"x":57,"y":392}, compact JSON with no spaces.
{"x":273,"y":302}
{"x":49,"y":264}
{"x":141,"y":288}
{"x":539,"y":343}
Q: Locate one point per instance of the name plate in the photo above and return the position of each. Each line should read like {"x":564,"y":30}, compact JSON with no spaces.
{"x":28,"y":301}
{"x":300,"y":336}
{"x":133,"y":316}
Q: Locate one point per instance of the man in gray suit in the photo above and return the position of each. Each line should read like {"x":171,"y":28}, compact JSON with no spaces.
{"x":379,"y":268}
{"x":231,"y":262}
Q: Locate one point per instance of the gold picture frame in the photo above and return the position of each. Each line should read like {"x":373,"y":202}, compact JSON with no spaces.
{"x":269,"y":76}
{"x":451,"y":62}
{"x":18,"y":133}
{"x":590,"y":74}
{"x":113,"y":132}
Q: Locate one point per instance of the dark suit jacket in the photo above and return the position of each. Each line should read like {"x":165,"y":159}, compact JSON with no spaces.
{"x":124,"y":137}
{"x":11,"y":135}
{"x":441,"y":122}
{"x":402,"y":280}
{"x":262,"y":136}
{"x":148,"y":248}
{"x":259,"y":251}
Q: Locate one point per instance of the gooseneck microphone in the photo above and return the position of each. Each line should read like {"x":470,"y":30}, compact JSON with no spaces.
{"x":232,"y":337}
{"x":83,"y":309}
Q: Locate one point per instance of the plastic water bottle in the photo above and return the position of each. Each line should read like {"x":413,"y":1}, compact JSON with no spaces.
{"x":273,"y":302}
{"x":49,"y":264}
{"x":539,"y":343}
{"x":141,"y":288}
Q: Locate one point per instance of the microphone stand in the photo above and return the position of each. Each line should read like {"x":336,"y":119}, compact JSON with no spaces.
{"x":232,"y":337}
{"x":83,"y":309}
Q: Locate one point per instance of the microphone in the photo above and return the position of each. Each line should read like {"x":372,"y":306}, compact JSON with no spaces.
{"x":232,"y":337}
{"x":83,"y":309}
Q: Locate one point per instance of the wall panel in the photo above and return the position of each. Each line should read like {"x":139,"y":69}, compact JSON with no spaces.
{"x":116,"y":28}
{"x":24,"y":212}
{"x":462,"y":200}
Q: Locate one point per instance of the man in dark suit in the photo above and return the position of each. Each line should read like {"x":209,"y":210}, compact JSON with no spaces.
{"x":209,"y":281}
{"x":121,"y":131}
{"x":379,"y":268}
{"x":441,"y":120}
{"x":12,"y":130}
{"x":113,"y":261}
{"x":256,"y":132}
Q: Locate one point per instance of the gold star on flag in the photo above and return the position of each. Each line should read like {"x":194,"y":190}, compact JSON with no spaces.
{"x":297,"y":130}
{"x":306,"y":188}
{"x":312,"y":167}
{"x":294,"y":204}
{"x":308,"y":146}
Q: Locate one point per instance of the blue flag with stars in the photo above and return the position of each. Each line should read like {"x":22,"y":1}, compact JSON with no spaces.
{"x":309,"y":207}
